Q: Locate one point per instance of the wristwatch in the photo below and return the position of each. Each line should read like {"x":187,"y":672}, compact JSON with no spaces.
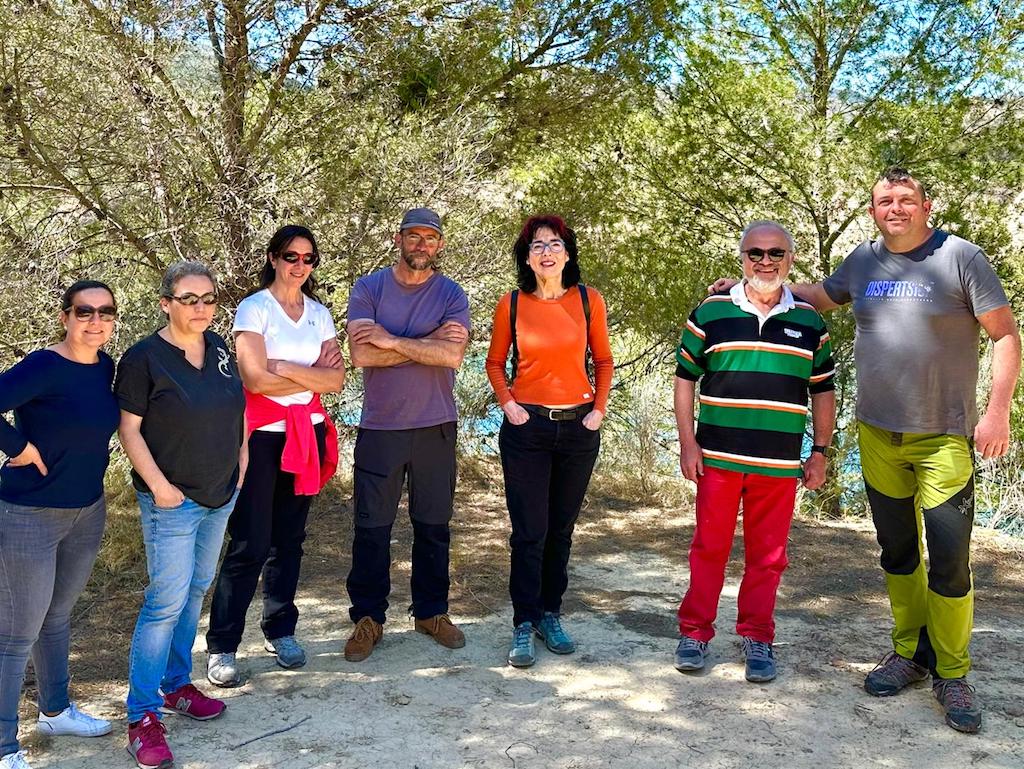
{"x":823,"y":450}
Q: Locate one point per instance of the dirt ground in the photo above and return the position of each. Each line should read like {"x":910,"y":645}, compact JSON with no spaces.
{"x":617,"y":702}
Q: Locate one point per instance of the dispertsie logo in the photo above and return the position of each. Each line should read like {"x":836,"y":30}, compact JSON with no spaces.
{"x":899,"y":290}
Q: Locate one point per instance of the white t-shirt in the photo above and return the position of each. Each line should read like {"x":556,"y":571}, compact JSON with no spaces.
{"x":286,"y":339}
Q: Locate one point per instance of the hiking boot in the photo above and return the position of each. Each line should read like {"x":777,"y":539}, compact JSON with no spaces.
{"x":287,"y":650}
{"x":892,"y":674}
{"x":222,"y":670}
{"x":554,"y":637}
{"x":189,"y":701}
{"x":366,"y":635}
{"x":522,"y":654}
{"x":963,"y":711}
{"x":147,"y":744}
{"x":73,"y":721}
{"x":760,"y":661}
{"x":690,"y":654}
{"x":443,"y":631}
{"x":14,"y":761}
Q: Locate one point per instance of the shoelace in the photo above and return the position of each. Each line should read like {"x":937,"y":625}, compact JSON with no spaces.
{"x":758,"y":650}
{"x":154,"y":725}
{"x":555,"y":627}
{"x":363,"y":631}
{"x":287,"y":645}
{"x":693,"y":643}
{"x":521,"y":638}
{"x":960,"y":692}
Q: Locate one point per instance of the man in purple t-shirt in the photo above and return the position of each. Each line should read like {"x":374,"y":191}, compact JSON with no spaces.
{"x":408,"y":327}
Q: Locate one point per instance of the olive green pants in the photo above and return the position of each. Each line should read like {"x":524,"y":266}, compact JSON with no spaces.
{"x":917,"y":481}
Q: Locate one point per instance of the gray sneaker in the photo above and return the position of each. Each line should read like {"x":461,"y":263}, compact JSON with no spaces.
{"x":222,"y":670}
{"x":760,"y":661}
{"x":892,"y":674}
{"x":287,"y":650}
{"x":963,"y":712}
{"x":690,"y":654}
{"x":522,"y":654}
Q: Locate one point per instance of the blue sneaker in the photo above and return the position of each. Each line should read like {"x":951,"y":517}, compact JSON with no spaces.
{"x":522,"y":654}
{"x":690,"y":654}
{"x":289,"y":653}
{"x":760,"y":661}
{"x":554,"y":636}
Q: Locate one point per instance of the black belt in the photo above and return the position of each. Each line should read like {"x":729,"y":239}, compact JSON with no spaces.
{"x":560,"y":415}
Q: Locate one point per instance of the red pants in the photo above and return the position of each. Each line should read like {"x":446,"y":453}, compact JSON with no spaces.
{"x":767,"y":513}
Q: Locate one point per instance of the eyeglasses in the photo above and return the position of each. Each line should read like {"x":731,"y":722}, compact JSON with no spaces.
{"x":538,"y":247}
{"x":191,"y":299}
{"x":415,"y":239}
{"x":757,"y":254}
{"x":85,"y":313}
{"x":293,"y":257}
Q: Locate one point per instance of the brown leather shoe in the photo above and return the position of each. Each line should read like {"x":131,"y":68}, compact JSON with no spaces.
{"x":366,"y":635}
{"x":444,"y":632}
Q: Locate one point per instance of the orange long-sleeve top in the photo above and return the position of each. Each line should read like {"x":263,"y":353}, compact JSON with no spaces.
{"x":552,"y":338}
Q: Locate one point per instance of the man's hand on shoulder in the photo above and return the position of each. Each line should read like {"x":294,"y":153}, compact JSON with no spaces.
{"x":722,"y":284}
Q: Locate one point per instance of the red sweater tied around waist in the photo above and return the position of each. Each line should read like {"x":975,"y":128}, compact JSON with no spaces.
{"x":301,"y":456}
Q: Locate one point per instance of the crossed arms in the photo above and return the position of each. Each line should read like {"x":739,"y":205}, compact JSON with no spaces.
{"x":373,"y":346}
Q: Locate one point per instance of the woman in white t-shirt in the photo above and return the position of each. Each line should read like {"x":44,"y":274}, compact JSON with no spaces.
{"x":288,"y":354}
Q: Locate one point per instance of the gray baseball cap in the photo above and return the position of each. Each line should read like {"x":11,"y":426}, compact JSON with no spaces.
{"x":421,"y":217}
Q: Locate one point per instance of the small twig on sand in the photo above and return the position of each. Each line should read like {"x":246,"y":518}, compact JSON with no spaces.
{"x":532,"y":747}
{"x":272,"y":733}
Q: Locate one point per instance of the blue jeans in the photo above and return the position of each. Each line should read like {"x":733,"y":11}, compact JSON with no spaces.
{"x":46,"y":556}
{"x":182,"y":548}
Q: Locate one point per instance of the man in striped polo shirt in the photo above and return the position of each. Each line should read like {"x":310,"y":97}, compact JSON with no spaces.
{"x":758,"y":351}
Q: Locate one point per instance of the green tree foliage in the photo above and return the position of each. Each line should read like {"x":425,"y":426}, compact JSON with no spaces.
{"x":788,"y":110}
{"x":142,"y":131}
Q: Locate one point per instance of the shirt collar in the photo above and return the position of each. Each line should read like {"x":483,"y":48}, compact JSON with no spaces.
{"x":740,"y":299}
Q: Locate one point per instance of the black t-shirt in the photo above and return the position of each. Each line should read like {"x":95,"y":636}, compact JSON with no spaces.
{"x":192,"y":419}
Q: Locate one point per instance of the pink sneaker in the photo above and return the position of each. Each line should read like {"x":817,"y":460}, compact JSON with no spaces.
{"x":189,"y":701}
{"x":147,"y":745}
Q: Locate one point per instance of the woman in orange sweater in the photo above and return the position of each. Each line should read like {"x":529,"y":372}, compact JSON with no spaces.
{"x":550,"y":436}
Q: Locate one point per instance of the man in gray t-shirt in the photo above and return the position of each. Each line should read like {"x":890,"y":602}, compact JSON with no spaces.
{"x":408,"y":328}
{"x":917,"y":331}
{"x":919,"y":298}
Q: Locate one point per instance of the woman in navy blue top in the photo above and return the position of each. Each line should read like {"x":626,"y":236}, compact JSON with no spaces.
{"x":52,"y":509}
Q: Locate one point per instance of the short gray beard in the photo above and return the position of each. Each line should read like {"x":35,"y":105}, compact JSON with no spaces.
{"x":760,"y":284}
{"x":410,"y":261}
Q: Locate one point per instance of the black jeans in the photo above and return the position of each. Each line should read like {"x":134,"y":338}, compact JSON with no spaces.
{"x":383,"y":461}
{"x":547,"y":467}
{"x":267,"y":529}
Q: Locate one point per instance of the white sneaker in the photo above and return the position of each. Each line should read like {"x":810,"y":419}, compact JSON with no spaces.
{"x":73,"y":721}
{"x":222,"y":669}
{"x":14,"y":761}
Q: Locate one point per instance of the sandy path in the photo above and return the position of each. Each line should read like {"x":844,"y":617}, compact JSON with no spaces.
{"x":617,"y":702}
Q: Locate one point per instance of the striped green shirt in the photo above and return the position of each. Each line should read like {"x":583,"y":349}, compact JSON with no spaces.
{"x":755,"y":379}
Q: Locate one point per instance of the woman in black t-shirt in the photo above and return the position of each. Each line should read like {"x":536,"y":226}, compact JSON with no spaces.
{"x":182,"y":424}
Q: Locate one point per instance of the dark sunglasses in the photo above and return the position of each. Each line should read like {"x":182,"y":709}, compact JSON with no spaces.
{"x":292,"y":258}
{"x":83,"y":312}
{"x":191,"y":299}
{"x":757,"y":254}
